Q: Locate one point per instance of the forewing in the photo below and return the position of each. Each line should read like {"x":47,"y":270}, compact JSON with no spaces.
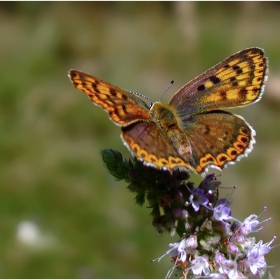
{"x":123,"y":107}
{"x":217,"y":138}
{"x":237,"y":81}
{"x":148,"y":144}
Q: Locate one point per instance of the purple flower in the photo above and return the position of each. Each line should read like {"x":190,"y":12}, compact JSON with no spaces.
{"x":200,"y":266}
{"x":249,"y":225}
{"x":231,"y":254}
{"x":229,"y":268}
{"x":178,"y":250}
{"x":233,"y":248}
{"x":209,"y":183}
{"x":197,"y":198}
{"x":191,"y":242}
{"x":182,"y":248}
{"x":214,"y":243}
{"x":219,"y":258}
{"x":221,"y":211}
{"x":255,"y":260}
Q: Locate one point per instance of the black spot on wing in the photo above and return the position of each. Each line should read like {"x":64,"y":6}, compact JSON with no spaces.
{"x":95,"y":87}
{"x":237,"y":69}
{"x":214,"y":79}
{"x":201,"y":88}
{"x":113,"y":92}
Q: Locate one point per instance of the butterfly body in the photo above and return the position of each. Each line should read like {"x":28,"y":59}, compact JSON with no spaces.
{"x":190,"y":132}
{"x":164,"y":116}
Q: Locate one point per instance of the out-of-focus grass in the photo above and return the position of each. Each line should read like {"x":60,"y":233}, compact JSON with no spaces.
{"x":51,"y":135}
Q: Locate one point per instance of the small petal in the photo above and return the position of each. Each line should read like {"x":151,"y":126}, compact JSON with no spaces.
{"x":200,"y":265}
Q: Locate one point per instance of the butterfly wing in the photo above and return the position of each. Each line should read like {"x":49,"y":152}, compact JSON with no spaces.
{"x":123,"y":107}
{"x":237,"y":81}
{"x":147,"y":142}
{"x":215,"y":145}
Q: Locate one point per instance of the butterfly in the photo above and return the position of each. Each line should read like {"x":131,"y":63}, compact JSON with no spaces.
{"x":191,"y":132}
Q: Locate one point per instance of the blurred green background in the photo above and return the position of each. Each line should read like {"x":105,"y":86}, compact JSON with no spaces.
{"x":61,"y":214}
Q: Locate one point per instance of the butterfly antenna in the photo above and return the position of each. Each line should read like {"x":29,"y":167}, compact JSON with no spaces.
{"x":143,"y":96}
{"x":171,"y":83}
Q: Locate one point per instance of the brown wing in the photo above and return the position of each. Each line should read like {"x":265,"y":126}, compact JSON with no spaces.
{"x":217,"y":138}
{"x":237,"y":81}
{"x":123,"y":107}
{"x":150,"y":145}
